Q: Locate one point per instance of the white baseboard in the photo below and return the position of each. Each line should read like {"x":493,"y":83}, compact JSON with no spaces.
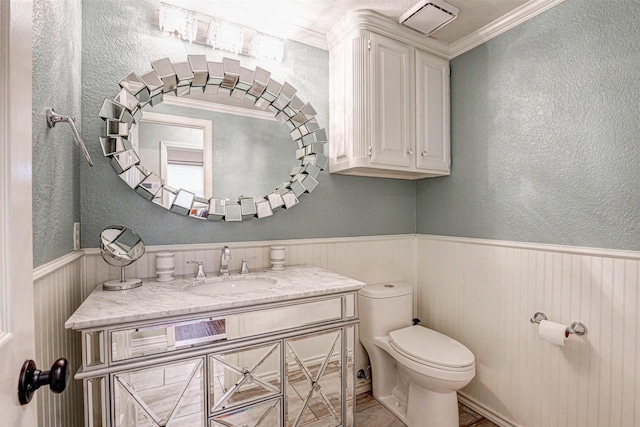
{"x":485,"y":412}
{"x":363,"y":387}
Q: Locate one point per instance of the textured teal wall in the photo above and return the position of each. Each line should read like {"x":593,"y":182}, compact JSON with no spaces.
{"x":545,"y":133}
{"x":57,"y":46}
{"x":119,"y":37}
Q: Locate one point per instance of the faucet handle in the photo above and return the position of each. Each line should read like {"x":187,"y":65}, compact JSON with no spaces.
{"x":200,"y":274}
{"x":245,"y":269}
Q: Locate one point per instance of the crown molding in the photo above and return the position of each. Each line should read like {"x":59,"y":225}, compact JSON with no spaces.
{"x":513,"y":19}
{"x":308,"y":37}
{"x":372,"y":21}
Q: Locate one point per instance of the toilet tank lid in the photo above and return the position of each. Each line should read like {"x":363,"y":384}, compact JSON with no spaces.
{"x":386,"y":290}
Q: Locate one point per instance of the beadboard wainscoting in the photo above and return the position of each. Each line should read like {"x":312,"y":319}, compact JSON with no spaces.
{"x":483,"y":293}
{"x":372,"y":259}
{"x":57,"y":294}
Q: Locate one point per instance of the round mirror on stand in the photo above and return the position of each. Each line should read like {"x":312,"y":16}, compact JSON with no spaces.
{"x":120,"y":247}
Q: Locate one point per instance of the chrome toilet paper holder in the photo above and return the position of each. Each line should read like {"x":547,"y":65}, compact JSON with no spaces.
{"x":576,"y":327}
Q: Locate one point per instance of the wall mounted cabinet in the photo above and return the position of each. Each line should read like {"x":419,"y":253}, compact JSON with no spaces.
{"x":389,"y":102}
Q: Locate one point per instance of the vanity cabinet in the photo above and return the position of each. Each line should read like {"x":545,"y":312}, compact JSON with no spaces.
{"x":389,"y":105}
{"x":278,"y":364}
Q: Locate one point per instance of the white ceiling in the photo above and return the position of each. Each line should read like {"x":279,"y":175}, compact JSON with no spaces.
{"x":291,"y":18}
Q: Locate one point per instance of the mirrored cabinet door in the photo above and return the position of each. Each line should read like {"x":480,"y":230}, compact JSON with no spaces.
{"x":314,"y":380}
{"x":240,"y":376}
{"x":267,"y":414}
{"x":170,"y":395}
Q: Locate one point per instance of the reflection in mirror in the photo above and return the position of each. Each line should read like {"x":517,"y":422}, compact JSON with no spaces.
{"x":193,"y":81}
{"x":210,"y":148}
{"x":178,"y":149}
{"x":120,"y":247}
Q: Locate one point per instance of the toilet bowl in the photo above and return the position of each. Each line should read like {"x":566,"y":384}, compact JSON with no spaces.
{"x":416,"y":372}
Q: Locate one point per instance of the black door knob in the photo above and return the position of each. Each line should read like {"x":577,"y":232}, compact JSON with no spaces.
{"x":32,"y":379}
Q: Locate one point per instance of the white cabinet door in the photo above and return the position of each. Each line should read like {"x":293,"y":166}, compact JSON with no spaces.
{"x":392,"y":102}
{"x":432,"y":113}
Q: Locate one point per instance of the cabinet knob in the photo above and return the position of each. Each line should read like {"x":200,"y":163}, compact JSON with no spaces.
{"x":410,"y":151}
{"x":425,"y":154}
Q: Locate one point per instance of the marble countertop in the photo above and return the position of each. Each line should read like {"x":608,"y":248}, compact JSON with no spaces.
{"x":156,"y":300}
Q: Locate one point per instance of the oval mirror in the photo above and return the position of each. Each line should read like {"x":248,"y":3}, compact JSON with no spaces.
{"x":226,"y":83}
{"x":120,"y":247}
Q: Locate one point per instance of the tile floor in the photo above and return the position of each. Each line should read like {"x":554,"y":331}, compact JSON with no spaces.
{"x":370,"y":413}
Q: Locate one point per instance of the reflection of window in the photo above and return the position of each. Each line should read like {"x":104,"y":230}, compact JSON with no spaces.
{"x":185,"y":176}
{"x":185,"y":169}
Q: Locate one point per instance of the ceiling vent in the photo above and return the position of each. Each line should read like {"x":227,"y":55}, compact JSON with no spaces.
{"x":429,"y":15}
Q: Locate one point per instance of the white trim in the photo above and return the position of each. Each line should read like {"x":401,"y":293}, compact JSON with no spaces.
{"x":379,"y":24}
{"x":218,"y":108}
{"x":5,"y":338}
{"x":375,"y":22}
{"x":514,"y":18}
{"x":48,"y":268}
{"x":576,"y":250}
{"x":484,"y":411}
{"x":262,"y":243}
{"x":363,"y":387}
{"x":4,"y":155}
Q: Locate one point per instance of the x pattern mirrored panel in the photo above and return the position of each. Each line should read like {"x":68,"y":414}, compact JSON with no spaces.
{"x":314,"y":385}
{"x":167,"y":395}
{"x":228,"y":77}
{"x":239,"y":376}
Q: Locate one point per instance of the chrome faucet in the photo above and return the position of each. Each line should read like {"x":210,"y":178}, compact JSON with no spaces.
{"x":224,"y":261}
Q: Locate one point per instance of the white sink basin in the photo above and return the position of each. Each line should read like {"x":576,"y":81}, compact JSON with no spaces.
{"x":230,"y":285}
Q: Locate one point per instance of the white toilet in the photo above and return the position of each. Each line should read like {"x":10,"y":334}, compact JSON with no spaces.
{"x":416,"y":372}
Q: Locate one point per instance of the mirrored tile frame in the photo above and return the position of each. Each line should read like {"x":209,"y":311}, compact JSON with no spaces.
{"x":139,"y":90}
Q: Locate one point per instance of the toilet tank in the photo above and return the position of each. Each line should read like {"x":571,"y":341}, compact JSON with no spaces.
{"x":384,"y":307}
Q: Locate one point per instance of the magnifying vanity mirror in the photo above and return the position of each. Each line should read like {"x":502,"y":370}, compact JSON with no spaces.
{"x":203,"y":134}
{"x":120,"y":247}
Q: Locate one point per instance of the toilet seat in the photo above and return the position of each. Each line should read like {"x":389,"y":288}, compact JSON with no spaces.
{"x":431,"y":348}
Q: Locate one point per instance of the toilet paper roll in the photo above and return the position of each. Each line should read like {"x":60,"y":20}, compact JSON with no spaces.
{"x":555,"y":333}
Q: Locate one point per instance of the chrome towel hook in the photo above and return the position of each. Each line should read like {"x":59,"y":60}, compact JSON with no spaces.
{"x":53,"y":118}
